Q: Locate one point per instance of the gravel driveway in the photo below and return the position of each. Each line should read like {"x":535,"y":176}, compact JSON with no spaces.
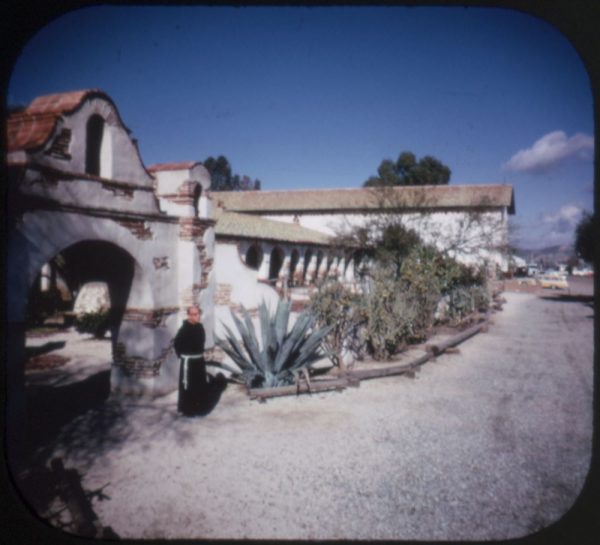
{"x":493,"y":442}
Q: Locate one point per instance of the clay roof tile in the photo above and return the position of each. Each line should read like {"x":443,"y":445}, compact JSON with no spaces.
{"x":33,"y":126}
{"x":406,"y":197}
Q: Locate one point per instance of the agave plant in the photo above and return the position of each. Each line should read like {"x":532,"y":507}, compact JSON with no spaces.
{"x":282,"y":354}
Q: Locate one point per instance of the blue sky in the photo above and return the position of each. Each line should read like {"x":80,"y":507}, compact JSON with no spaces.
{"x":317,"y":97}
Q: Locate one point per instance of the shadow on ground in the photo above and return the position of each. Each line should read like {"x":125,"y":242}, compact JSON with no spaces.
{"x":212,"y":394}
{"x":81,"y":422}
{"x":82,"y":418}
{"x":31,"y":351}
{"x":49,"y":408}
{"x":587,"y":300}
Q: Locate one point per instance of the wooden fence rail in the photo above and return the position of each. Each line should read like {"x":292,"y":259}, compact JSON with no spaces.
{"x":353,"y":377}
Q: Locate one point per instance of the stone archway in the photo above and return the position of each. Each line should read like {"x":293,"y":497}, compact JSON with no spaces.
{"x":86,"y":259}
{"x":100,"y":260}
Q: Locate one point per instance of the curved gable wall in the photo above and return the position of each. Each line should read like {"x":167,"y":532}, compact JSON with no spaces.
{"x":124,"y":165}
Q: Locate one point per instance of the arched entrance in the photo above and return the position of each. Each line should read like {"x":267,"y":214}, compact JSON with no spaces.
{"x":307,"y":258}
{"x":99,"y":260}
{"x":65,"y":373}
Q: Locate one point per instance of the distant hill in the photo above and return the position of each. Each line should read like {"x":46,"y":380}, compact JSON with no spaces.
{"x":549,"y":254}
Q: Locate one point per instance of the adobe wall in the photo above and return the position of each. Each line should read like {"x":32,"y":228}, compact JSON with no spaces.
{"x":464,"y":234}
{"x":169,"y":239}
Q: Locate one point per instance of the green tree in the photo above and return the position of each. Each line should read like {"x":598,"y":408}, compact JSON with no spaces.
{"x":223,"y":179}
{"x":406,"y":170}
{"x":584,"y":237}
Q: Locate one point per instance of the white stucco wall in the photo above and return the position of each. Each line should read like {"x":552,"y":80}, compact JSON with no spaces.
{"x":245,"y":288}
{"x":119,"y":155}
{"x":467,"y":236}
{"x":89,"y":194}
{"x":43,"y":234}
{"x":123,"y":184}
{"x":169,"y":184}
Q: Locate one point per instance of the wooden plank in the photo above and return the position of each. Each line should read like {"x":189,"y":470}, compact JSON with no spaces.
{"x":353,"y":377}
{"x":405,"y":368}
{"x":438,"y":348}
{"x":315,"y":386}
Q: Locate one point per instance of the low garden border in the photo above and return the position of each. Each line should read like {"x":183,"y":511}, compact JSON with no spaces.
{"x":352,"y":378}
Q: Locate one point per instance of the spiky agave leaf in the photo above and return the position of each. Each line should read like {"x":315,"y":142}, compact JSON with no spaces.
{"x":269,"y":337}
{"x":281,"y":320}
{"x":249,"y":339}
{"x":263,"y":358}
{"x":309,"y":351}
{"x":282,"y":352}
{"x":233,"y":349}
{"x":249,"y":357}
{"x":292,"y":342}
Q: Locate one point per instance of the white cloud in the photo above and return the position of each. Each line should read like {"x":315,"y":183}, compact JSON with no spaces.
{"x":550,"y":229}
{"x":564,"y":221}
{"x":551,"y":150}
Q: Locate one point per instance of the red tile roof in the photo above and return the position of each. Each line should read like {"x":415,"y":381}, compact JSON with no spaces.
{"x":352,"y":200}
{"x":33,"y":126}
{"x":185,"y":165}
{"x":234,"y":225}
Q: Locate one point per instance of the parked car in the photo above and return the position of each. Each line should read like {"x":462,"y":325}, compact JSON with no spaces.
{"x":553,"y":281}
{"x":584,"y":271}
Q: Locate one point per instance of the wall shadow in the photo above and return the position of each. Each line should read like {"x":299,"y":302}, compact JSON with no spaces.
{"x":49,"y":408}
{"x":31,"y":351}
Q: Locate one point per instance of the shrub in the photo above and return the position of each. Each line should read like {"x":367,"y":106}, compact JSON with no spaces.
{"x":401,"y":303}
{"x":281,"y":355}
{"x":398,"y":313}
{"x":464,"y":300}
{"x":95,"y":323}
{"x":337,"y":307}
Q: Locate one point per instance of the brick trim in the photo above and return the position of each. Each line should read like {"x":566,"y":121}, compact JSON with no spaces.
{"x":192,"y":228}
{"x":138,"y":228}
{"x":223,"y":294}
{"x":161,"y":262}
{"x":136,"y":366}
{"x":152,"y":318}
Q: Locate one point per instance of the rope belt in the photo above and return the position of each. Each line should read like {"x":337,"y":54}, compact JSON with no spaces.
{"x":185,"y":358}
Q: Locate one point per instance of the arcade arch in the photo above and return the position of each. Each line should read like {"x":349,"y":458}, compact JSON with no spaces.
{"x":254,"y":256}
{"x":276,"y":263}
{"x":308,"y":254}
{"x":294,"y":258}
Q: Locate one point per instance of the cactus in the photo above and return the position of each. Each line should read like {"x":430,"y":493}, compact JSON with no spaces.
{"x":282,"y":354}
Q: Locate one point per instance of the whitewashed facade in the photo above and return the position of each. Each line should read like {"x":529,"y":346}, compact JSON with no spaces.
{"x":78,"y":187}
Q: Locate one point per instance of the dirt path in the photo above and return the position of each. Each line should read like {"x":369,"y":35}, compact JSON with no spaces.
{"x":490,"y":443}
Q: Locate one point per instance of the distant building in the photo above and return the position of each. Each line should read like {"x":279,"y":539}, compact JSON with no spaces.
{"x":282,"y":238}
